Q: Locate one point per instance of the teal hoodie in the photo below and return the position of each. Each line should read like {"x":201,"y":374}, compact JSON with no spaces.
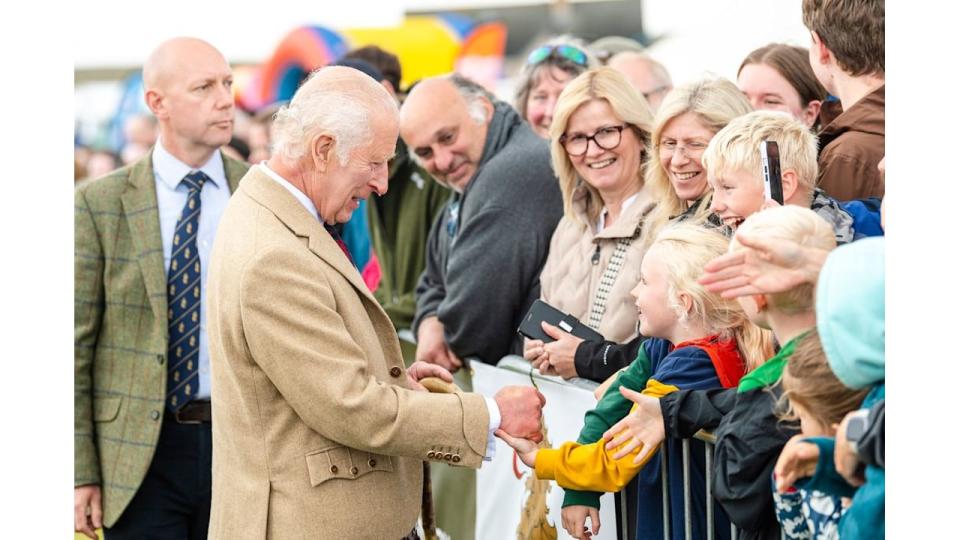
{"x":851,"y":312}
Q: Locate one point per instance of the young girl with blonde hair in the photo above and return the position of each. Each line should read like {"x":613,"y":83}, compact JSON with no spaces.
{"x":697,"y":340}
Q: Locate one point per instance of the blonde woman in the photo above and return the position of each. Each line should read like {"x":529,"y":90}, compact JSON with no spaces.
{"x":688,"y":118}
{"x":600,"y":143}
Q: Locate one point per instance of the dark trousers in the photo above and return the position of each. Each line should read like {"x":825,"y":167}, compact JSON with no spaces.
{"x":173,"y":502}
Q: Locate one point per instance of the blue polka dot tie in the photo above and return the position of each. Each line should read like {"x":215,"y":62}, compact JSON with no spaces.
{"x":183,"y":300}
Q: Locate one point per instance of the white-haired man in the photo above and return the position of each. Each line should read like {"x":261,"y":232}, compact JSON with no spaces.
{"x":318,"y":430}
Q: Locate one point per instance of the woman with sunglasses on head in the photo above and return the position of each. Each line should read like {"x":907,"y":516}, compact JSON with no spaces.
{"x":548,"y":70}
{"x":778,"y":77}
{"x":600,"y":142}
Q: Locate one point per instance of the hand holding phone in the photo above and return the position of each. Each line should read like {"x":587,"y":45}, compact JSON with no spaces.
{"x":770,"y":162}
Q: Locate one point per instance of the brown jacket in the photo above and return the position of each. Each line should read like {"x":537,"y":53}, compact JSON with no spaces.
{"x":315,"y":432}
{"x":851,"y":146}
{"x":570,"y":279}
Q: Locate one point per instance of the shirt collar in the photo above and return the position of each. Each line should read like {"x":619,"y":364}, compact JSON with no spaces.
{"x":299,"y":195}
{"x":170,"y":170}
{"x":601,"y":222}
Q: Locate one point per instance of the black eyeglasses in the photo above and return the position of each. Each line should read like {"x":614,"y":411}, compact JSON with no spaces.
{"x":606,"y":138}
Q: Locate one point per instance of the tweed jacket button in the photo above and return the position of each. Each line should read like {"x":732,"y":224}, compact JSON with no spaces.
{"x":160,"y":359}
{"x":395,"y":371}
{"x":447,"y":456}
{"x":155,"y":415}
{"x":334,"y":469}
{"x":372,"y":463}
{"x":430,"y":454}
{"x":456,"y":459}
{"x":354,"y":471}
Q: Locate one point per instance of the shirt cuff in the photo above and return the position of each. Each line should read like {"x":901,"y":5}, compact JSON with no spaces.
{"x":494,"y":411}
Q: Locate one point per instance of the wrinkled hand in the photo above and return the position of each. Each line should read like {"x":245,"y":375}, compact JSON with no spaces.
{"x":521,"y":408}
{"x":846,"y":461}
{"x":764,"y":266}
{"x":798,"y":459}
{"x":574,"y":520}
{"x":432,"y":347}
{"x":420,"y":370}
{"x":87,"y":510}
{"x":643,"y":428}
{"x":526,"y":449}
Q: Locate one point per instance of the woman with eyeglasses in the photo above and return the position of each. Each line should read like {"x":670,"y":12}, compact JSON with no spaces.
{"x":600,"y":141}
{"x":778,"y":77}
{"x":688,"y":118}
{"x":548,"y":70}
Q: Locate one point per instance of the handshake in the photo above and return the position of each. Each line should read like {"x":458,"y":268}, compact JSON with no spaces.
{"x":521,"y":410}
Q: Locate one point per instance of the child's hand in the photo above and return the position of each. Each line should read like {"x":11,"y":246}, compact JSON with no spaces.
{"x":526,"y":449}
{"x":574,"y":520}
{"x":642,"y":428}
{"x":798,"y":459}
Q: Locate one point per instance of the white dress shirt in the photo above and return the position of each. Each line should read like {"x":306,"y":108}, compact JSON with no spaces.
{"x":168,"y":171}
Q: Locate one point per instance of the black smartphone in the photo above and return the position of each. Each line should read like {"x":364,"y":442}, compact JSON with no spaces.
{"x":542,"y":311}
{"x":770,"y":159}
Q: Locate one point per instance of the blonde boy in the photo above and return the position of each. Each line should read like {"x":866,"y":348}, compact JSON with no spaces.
{"x":732,"y":161}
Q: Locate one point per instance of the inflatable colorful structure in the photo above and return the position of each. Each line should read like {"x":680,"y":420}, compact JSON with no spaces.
{"x":425,"y":45}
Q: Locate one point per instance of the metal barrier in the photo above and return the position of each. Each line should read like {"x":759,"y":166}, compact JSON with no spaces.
{"x":520,"y":365}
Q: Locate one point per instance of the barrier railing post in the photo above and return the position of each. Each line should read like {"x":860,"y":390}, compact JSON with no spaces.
{"x":666,"y":491}
{"x":708,"y":462}
{"x":687,"y":511}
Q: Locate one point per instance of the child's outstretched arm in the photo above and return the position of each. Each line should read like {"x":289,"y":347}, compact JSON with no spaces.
{"x":526,"y":449}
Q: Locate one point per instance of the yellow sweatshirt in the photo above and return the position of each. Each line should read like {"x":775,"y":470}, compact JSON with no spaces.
{"x":590,"y":467}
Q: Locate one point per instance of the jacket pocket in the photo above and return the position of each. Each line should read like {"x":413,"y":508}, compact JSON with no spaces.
{"x":106,"y":409}
{"x":344,"y":463}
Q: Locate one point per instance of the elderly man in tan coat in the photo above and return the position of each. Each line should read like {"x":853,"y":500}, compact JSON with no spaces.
{"x":319,"y":431}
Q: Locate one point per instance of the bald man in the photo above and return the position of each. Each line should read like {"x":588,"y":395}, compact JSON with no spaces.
{"x":647,"y":75}
{"x":485,"y":253}
{"x":143,"y":233}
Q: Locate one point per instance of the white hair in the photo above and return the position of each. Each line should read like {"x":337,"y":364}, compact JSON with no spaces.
{"x":335,"y":101}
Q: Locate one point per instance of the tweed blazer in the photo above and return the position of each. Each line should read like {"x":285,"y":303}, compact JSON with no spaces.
{"x":315,"y":431}
{"x":120,"y":330}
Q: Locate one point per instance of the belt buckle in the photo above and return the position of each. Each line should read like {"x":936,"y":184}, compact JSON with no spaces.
{"x":176,"y":416}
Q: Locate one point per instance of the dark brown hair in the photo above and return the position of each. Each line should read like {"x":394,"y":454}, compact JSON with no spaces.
{"x":793,"y":64}
{"x":388,"y":64}
{"x":852,"y":30}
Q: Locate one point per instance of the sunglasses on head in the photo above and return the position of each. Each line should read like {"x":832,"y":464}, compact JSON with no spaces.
{"x":567,"y":52}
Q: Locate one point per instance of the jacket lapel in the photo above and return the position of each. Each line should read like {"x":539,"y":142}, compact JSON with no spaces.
{"x":139,"y":203}
{"x":289,"y":210}
{"x":234,"y":171}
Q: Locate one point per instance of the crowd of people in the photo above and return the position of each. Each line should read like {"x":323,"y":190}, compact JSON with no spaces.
{"x":238,"y":370}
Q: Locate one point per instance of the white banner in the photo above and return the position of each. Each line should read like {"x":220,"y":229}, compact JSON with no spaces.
{"x":511,"y":502}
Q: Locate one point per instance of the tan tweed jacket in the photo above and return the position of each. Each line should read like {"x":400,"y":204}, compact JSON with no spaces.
{"x":120,"y":330}
{"x":315,"y":434}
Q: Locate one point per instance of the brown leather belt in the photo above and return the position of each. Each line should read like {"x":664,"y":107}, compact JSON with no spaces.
{"x":195,"y":412}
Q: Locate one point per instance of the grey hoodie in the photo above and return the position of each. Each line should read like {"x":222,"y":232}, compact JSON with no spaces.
{"x":486,"y":249}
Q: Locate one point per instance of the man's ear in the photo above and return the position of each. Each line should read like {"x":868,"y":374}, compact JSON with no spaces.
{"x":819,"y":49}
{"x":322,"y":151}
{"x":488,"y":109}
{"x":155,"y":103}
{"x":790,"y":183}
{"x":811,"y":112}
